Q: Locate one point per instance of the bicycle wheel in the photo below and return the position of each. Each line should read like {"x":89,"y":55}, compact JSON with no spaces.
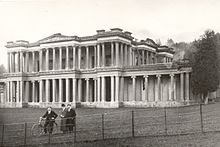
{"x":36,"y":130}
{"x":55,"y":127}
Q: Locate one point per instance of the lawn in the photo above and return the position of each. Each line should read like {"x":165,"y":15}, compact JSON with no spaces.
{"x":117,"y":123}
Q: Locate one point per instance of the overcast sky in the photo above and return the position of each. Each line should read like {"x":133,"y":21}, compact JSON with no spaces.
{"x":32,"y":20}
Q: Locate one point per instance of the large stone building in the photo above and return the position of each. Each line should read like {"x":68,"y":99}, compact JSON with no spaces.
{"x":109,"y":69}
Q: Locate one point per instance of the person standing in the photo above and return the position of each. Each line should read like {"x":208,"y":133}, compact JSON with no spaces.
{"x":49,"y":117}
{"x":70,"y":118}
{"x":63,"y":119}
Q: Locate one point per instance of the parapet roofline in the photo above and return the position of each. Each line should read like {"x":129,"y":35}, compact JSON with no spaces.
{"x":58,"y":37}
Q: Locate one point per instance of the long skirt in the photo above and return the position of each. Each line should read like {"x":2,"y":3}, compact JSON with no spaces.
{"x":63,"y":125}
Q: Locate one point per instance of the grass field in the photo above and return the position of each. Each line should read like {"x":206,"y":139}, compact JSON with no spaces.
{"x":150,"y":126}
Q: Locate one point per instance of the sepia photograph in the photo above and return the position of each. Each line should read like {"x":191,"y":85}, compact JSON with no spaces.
{"x":109,"y":73}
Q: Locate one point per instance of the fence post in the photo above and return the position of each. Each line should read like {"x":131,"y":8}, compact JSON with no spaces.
{"x":49,"y":136}
{"x":103,"y":129}
{"x":165,"y":117}
{"x":132,"y":122}
{"x":3,"y":131}
{"x":201,"y":118}
{"x":25,"y":134}
{"x":75,"y":131}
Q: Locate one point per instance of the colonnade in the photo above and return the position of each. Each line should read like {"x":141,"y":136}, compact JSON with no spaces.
{"x":78,"y":90}
{"x":71,"y":57}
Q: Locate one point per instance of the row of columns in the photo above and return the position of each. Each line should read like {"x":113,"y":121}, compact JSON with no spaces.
{"x":184,"y":87}
{"x":121,"y":54}
{"x":19,"y":91}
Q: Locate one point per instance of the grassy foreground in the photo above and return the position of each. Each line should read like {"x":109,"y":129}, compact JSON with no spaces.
{"x":117,"y":123}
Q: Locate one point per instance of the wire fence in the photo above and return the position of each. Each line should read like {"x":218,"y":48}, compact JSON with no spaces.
{"x":130,"y":123}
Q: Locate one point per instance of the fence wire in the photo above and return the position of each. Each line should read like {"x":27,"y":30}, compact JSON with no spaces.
{"x":129,"y":123}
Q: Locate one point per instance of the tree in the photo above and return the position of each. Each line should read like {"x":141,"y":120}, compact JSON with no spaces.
{"x":158,"y":42}
{"x":2,"y":69}
{"x":205,"y":67}
{"x":170,"y":42}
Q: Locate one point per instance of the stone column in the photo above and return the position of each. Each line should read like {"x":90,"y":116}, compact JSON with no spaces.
{"x":126,"y":55}
{"x":87,"y":90}
{"x":40,"y":59}
{"x":146,"y":88}
{"x":171,"y":93}
{"x":60,"y":54}
{"x":33,"y":91}
{"x":150,"y":58}
{"x":117,"y":53}
{"x":33,"y":62}
{"x":27,"y":62}
{"x":133,"y":88}
{"x":12,"y":62}
{"x":117,"y":88}
{"x":18,"y":62}
{"x":41,"y":91}
{"x":158,"y":97}
{"x":79,"y":90}
{"x":11,"y":91}
{"x":54,"y":59}
{"x":27,"y":89}
{"x":60,"y":90}
{"x":95,"y":90}
{"x":54,"y":90}
{"x":74,"y":57}
{"x":103,"y":54}
{"x":87,"y":57}
{"x":187,"y":86}
{"x":134,"y":57}
{"x":17,"y":91}
{"x":147,"y":57}
{"x":121,"y":55}
{"x":182,"y":86}
{"x":103,"y":89}
{"x":95,"y":56}
{"x":142,"y":51}
{"x":112,"y":88}
{"x":99,"y":88}
{"x":130,"y":55}
{"x":98,"y":55}
{"x":122,"y":89}
{"x":74,"y":90}
{"x":67,"y":90}
{"x":21,"y":62}
{"x":79,"y":57}
{"x":8,"y":91}
{"x":174,"y":87}
{"x":47,"y":90}
{"x":112,"y":53}
{"x":9,"y":63}
{"x":67,"y":57}
{"x":47,"y":59}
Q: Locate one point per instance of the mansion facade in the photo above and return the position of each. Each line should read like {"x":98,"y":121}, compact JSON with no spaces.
{"x":107,"y":70}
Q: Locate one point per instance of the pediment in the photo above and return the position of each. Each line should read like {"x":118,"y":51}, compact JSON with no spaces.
{"x":57,"y":38}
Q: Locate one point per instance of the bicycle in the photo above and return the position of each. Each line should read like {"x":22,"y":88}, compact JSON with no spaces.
{"x":37,"y":129}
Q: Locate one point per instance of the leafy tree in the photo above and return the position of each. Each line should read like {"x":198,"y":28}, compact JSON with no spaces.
{"x":205,"y":67}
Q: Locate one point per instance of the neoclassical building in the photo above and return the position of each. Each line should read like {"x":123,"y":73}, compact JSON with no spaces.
{"x":109,"y":69}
